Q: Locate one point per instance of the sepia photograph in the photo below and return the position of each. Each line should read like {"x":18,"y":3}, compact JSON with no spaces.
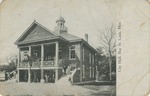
{"x":72,"y":48}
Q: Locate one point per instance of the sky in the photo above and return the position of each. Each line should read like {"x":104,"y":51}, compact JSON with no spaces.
{"x":81,"y":16}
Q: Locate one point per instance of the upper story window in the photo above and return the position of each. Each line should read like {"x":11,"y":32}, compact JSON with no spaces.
{"x":72,"y":52}
{"x":90,"y":59}
{"x":83,"y":73}
{"x":83,"y":54}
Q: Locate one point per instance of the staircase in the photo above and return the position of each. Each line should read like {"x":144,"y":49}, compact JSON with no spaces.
{"x":70,"y":76}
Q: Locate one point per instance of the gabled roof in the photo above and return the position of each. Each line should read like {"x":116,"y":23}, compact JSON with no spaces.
{"x":36,"y":32}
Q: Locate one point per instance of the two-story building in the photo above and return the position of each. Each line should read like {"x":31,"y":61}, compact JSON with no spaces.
{"x":44,"y":55}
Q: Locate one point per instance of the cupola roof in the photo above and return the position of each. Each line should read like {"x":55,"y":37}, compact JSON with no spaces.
{"x":60,"y":19}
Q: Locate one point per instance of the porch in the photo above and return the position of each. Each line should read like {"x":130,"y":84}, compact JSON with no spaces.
{"x":43,"y":55}
{"x":36,"y":75}
{"x":47,"y":56}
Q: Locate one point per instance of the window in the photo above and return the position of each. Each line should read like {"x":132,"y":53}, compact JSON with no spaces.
{"x":72,"y":52}
{"x":93,"y":59}
{"x":90,"y":59}
{"x":83,"y":54}
{"x":83,"y":71}
{"x":90,"y":72}
{"x":93,"y":72}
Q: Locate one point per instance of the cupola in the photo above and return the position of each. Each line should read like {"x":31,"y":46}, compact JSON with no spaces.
{"x":60,"y":28}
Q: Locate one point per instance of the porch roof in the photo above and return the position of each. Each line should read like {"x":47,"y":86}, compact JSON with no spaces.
{"x":39,"y":40}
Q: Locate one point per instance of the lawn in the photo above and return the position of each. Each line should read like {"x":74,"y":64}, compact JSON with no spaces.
{"x":47,"y":89}
{"x":60,"y":88}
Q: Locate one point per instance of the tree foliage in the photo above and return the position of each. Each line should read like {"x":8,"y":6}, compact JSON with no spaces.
{"x":12,"y":64}
{"x":106,"y":54}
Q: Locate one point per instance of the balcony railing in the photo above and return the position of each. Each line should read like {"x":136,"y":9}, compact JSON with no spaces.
{"x":52,"y":63}
{"x":26,"y":64}
{"x":38,"y":64}
{"x":48,"y":63}
{"x":23,"y":64}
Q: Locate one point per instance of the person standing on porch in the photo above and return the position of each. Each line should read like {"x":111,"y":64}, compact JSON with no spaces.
{"x":35,"y":77}
{"x":53,"y":77}
{"x":46,"y":78}
{"x":25,"y":78}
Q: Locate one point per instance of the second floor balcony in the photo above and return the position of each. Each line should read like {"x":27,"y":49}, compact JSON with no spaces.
{"x":37,"y":64}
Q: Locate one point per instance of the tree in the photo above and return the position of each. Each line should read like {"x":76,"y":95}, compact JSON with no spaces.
{"x":12,"y":63}
{"x":113,"y":68}
{"x":103,"y":65}
{"x":108,"y":42}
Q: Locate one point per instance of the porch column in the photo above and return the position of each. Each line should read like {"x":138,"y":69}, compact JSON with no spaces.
{"x":18,"y":65}
{"x":42,"y":60}
{"x":97,"y":73}
{"x":29,"y":70}
{"x":90,"y":72}
{"x":56,"y":60}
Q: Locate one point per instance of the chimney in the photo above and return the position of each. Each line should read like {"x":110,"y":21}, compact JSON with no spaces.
{"x":86,"y":37}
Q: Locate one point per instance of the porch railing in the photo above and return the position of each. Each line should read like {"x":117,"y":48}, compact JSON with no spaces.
{"x":48,"y":63}
{"x":52,"y":63}
{"x":38,"y":64}
{"x":23,"y":64}
{"x":26,"y":64}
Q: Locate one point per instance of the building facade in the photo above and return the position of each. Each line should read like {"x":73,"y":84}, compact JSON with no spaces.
{"x":45,"y":55}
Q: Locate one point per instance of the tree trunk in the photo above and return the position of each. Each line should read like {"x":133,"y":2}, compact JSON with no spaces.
{"x":110,"y":68}
{"x":110,"y":61}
